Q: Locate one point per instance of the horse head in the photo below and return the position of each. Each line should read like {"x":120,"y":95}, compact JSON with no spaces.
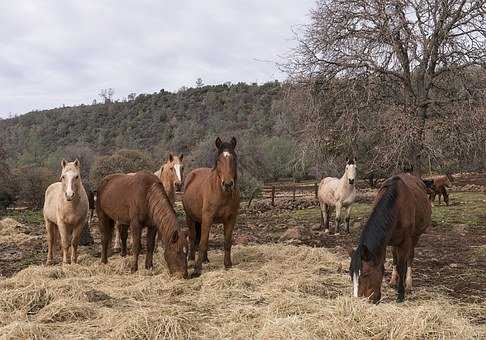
{"x":70,"y":179}
{"x":176,"y":167}
{"x":350,"y":171}
{"x":226,"y":164}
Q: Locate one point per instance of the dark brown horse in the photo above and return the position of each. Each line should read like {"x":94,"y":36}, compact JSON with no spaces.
{"x":139,"y":200}
{"x":401,"y":214}
{"x":212,"y":196}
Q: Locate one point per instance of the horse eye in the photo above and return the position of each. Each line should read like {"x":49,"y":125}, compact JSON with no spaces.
{"x":76,"y":177}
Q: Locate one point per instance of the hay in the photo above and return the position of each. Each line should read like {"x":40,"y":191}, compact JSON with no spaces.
{"x":11,"y":233}
{"x":273,"y":292}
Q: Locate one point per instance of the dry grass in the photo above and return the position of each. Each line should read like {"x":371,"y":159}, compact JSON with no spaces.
{"x":273,"y":292}
{"x":10,"y":233}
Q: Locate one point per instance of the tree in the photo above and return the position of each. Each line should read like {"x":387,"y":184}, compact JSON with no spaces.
{"x":107,"y":95}
{"x":199,"y":82}
{"x":32,"y":182}
{"x":414,"y":46}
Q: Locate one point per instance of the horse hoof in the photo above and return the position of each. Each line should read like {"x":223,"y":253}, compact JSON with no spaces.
{"x":133,"y":270}
{"x":326,"y":231}
{"x":195,"y":274}
{"x":206,"y":260}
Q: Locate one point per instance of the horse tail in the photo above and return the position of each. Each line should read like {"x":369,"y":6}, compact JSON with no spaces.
{"x":197,"y":226}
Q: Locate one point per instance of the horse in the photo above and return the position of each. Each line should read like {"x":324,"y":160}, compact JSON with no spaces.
{"x":171,"y":175}
{"x":65,"y":209}
{"x":140,"y":200}
{"x":340,"y":193}
{"x":440,"y":183}
{"x":212,"y":196}
{"x":402,"y":212}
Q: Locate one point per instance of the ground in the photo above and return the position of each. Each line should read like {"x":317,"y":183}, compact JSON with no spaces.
{"x":289,"y":281}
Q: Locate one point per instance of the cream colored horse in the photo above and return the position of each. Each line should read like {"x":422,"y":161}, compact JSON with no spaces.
{"x":66,"y":210}
{"x":171,"y":175}
{"x":338,"y":192}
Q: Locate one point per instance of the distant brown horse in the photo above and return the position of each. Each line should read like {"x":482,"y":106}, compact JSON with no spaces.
{"x":212,"y":196}
{"x":171,"y":174}
{"x":440,"y":183}
{"x":139,"y":200}
{"x":401,"y":214}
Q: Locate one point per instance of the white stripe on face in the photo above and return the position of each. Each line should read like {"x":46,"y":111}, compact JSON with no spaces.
{"x":177,"y":169}
{"x":355,"y":283}
{"x":226,"y":154}
{"x":69,"y":176}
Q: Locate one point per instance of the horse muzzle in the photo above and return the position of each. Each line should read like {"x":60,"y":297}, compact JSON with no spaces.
{"x":351,"y":181}
{"x":228,"y":185}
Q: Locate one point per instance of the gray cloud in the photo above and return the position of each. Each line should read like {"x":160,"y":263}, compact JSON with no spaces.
{"x":64,"y":52}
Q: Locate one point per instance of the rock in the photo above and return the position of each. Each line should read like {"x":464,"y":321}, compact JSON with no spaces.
{"x":291,"y":234}
{"x":243,"y":239}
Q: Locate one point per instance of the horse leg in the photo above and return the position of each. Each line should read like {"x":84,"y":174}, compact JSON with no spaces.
{"x":408,"y":281}
{"x":439,"y":194}
{"x":338,"y":217}
{"x":123,"y":236}
{"x":348,"y":213}
{"x":149,"y":257}
{"x":402,"y":260}
{"x":394,"y":277}
{"x":106,"y":229}
{"x":446,"y":196}
{"x":228,"y":235}
{"x":117,"y":245}
{"x":136,"y":228}
{"x":51,"y":240}
{"x":207,"y":221}
{"x":78,"y":230}
{"x":191,"y":256}
{"x":324,"y":217}
{"x":66,"y":237}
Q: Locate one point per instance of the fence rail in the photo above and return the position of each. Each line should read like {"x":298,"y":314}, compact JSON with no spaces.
{"x":289,"y":190}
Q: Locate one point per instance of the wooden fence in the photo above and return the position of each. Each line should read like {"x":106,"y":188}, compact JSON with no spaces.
{"x":293,"y":190}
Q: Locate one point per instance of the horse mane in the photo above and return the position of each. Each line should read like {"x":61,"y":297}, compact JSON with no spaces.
{"x":161,"y":211}
{"x":379,"y":227}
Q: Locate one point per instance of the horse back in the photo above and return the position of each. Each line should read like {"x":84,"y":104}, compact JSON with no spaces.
{"x":327,"y":190}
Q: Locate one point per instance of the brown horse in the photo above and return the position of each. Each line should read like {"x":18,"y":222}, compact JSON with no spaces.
{"x":171,"y":174}
{"x":139,"y":200}
{"x":401,"y":214}
{"x":212,"y":196}
{"x":440,"y":183}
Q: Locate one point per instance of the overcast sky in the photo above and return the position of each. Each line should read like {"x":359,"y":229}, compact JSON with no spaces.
{"x":63,"y":52}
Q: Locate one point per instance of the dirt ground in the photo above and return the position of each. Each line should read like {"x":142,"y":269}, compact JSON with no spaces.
{"x":450,"y":259}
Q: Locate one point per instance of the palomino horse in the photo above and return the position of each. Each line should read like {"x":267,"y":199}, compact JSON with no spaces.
{"x":212,"y":196}
{"x":139,"y":200}
{"x":402,"y":213}
{"x":66,"y":209}
{"x":340,"y":193}
{"x":171,"y":174}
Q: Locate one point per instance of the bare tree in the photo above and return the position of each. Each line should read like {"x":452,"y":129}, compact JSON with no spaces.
{"x":414,"y":46}
{"x":107,"y":95}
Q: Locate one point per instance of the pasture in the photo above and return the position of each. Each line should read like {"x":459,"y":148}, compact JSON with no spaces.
{"x":289,"y":280}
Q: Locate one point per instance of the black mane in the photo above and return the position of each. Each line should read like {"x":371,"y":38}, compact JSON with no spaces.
{"x":379,"y":227}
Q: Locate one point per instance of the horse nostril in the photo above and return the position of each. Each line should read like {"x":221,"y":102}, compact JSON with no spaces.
{"x":351,"y":181}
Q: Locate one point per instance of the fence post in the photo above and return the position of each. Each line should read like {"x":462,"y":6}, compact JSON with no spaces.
{"x":273,"y":196}
{"x":316,"y":188}
{"x":293,"y":192}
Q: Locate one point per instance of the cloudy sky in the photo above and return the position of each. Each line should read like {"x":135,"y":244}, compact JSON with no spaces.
{"x":63,"y":52}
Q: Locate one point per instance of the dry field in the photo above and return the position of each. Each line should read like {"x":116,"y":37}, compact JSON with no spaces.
{"x":283,"y":285}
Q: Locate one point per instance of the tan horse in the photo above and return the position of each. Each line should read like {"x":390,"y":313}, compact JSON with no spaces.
{"x":440,"y":183}
{"x":139,"y":200}
{"x":171,"y":174}
{"x":338,"y":192}
{"x":212,"y":196}
{"x":66,"y":209}
{"x":402,"y":213}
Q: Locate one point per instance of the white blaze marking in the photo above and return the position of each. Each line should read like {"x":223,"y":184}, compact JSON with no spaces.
{"x":69,"y":177}
{"x":177,"y":168}
{"x":226,"y":154}
{"x":355,"y":284}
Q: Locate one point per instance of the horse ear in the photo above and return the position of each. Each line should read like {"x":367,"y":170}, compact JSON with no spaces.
{"x":174,"y":237}
{"x":347,"y":160}
{"x":218,"y":142}
{"x":233,"y":142}
{"x":76,"y":163}
{"x":63,"y":163}
{"x":171,"y":157}
{"x":181,"y":156}
{"x":355,"y":159}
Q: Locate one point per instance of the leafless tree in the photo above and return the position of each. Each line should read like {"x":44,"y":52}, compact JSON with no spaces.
{"x":107,"y":95}
{"x":413,"y":46}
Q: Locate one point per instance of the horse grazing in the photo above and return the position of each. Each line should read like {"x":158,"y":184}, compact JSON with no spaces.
{"x":139,"y":200}
{"x":440,"y":183}
{"x":402,"y":213}
{"x":338,"y":192}
{"x":65,"y":209}
{"x":212,"y":196}
{"x":171,"y":175}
